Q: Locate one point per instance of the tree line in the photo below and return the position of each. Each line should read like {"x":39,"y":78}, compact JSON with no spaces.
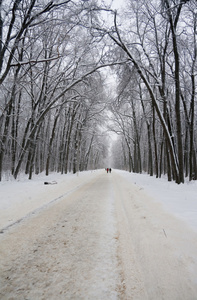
{"x":51,"y":89}
{"x":155,"y":111}
{"x":54,"y":99}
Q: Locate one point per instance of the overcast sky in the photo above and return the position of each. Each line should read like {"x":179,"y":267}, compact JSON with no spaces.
{"x":116,"y":4}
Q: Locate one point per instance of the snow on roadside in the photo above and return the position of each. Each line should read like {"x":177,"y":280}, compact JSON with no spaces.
{"x":179,"y":200}
{"x":96,"y":241}
{"x":69,"y":251}
{"x":20,"y":197}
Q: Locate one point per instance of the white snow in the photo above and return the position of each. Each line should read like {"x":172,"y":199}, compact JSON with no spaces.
{"x":180,"y":200}
{"x":18,"y":198}
{"x":95,"y":235}
{"x":22,"y":197}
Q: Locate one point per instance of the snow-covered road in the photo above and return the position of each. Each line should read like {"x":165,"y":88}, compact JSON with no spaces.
{"x":98,"y":237}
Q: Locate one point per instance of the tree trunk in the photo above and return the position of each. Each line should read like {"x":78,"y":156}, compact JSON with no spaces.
{"x":155,"y":144}
{"x":51,"y":142}
{"x":192,"y":155}
{"x":177,"y":89}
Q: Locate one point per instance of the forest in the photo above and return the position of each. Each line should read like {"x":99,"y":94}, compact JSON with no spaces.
{"x":73,"y":72}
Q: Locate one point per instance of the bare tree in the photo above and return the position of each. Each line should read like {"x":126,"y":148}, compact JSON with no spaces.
{"x":152,"y":47}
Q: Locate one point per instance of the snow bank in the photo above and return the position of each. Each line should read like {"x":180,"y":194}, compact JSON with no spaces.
{"x":21,"y":197}
{"x":179,"y":200}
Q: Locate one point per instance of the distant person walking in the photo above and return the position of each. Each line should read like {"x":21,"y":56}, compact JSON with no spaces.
{"x":109,"y":170}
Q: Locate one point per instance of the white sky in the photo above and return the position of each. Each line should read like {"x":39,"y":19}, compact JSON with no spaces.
{"x":116,"y":4}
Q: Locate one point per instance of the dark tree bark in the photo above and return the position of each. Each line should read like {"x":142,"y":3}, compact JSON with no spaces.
{"x":173,"y":24}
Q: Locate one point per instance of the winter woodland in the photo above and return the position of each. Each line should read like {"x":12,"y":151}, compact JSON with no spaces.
{"x":58,"y":106}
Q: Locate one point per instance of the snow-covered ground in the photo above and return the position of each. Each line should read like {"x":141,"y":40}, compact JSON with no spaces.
{"x":98,"y":236}
{"x":21,"y":197}
{"x":18,"y":198}
{"x":180,"y":200}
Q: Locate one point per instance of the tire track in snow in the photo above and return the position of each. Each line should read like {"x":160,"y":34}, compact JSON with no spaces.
{"x":39,"y":209}
{"x":155,"y":265}
{"x":67,"y":251}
